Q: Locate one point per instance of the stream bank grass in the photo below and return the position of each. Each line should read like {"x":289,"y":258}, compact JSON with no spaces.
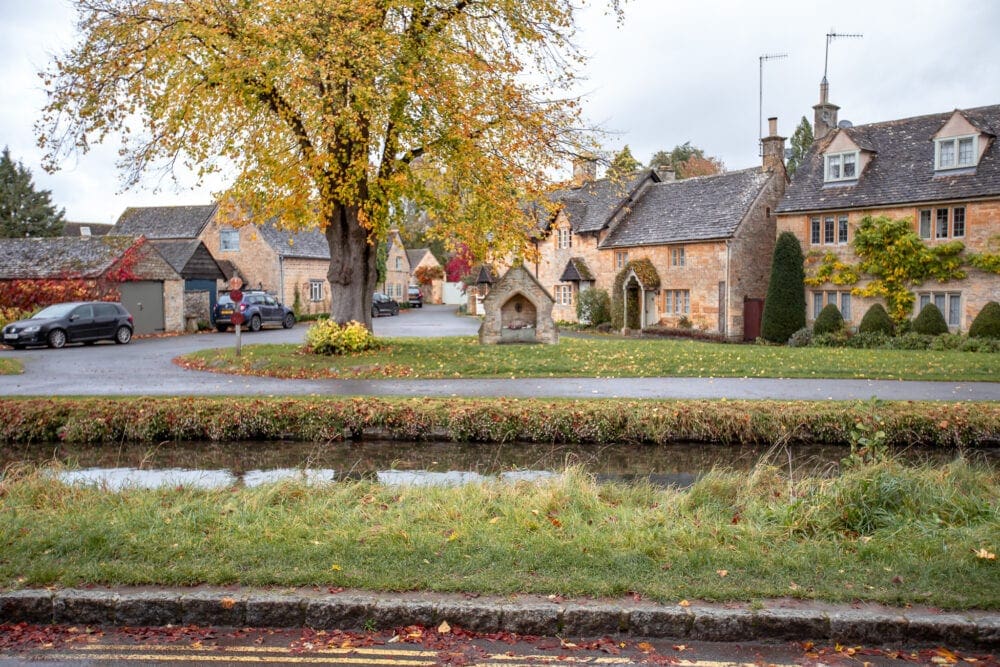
{"x":591,"y":357}
{"x":885,"y":532}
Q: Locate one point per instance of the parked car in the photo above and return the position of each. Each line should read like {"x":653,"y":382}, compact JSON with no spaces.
{"x":259,"y":309}
{"x":415,"y":297}
{"x":74,"y":322}
{"x":383,"y":305}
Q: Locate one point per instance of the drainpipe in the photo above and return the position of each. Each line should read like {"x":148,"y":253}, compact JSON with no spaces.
{"x":729,"y":286}
{"x":281,"y":280}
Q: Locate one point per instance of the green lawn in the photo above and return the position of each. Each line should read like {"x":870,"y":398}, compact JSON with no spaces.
{"x":579,"y":357}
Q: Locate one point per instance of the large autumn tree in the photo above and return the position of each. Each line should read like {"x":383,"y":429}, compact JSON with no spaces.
{"x":332,"y":112}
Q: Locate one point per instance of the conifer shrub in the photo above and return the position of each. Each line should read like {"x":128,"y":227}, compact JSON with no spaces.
{"x":987,"y":322}
{"x":876,"y":320}
{"x":785,"y":306}
{"x":829,"y":320}
{"x":930,"y":321}
{"x":593,"y":307}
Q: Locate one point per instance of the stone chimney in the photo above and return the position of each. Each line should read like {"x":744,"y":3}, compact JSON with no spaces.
{"x":584,"y":169}
{"x":665,"y":173}
{"x":774,"y":147}
{"x":824,"y":113}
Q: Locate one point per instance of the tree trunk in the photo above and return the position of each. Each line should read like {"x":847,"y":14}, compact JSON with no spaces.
{"x":353,"y":269}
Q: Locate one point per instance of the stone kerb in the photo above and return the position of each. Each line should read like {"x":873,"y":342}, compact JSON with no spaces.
{"x":518,"y":309}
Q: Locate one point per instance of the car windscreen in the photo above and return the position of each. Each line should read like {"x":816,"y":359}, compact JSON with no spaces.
{"x":56,"y":310}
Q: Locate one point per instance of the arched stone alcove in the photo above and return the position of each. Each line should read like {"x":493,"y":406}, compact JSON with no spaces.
{"x":518,"y":310}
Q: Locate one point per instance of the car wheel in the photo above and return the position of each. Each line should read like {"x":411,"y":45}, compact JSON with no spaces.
{"x":374,"y":312}
{"x":18,"y":347}
{"x":123,"y":335}
{"x":57,"y":338}
{"x":289,"y":321}
{"x":255,"y":323}
{"x":222,"y":328}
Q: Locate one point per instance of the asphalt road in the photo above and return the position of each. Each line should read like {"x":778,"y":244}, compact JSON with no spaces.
{"x":145,"y":367}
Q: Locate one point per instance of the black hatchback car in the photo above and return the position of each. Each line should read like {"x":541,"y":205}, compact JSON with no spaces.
{"x":75,"y":322}
{"x":258,"y":308}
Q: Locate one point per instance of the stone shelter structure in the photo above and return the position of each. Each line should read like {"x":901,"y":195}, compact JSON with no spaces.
{"x":941,"y":172}
{"x":148,"y":286}
{"x":709,"y":240}
{"x":518,"y":310}
{"x":292,"y":265}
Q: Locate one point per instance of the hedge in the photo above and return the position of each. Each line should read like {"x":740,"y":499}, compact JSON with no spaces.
{"x":162,"y":420}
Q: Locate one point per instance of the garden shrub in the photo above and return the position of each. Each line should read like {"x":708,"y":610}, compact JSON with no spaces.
{"x":971,"y":344}
{"x":801,"y":338}
{"x":785,"y":306}
{"x":987,"y":322}
{"x":930,"y":321}
{"x":328,"y":337}
{"x":869,"y":340}
{"x":832,"y":339}
{"x":828,"y":321}
{"x":593,"y":307}
{"x":876,"y":320}
{"x":911,"y":341}
{"x":947,"y":341}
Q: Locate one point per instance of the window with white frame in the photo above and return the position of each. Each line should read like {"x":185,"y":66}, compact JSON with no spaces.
{"x":815,"y":236}
{"x":949,"y":303}
{"x":842,"y":300}
{"x":621,"y":259}
{"x":842,"y":229}
{"x":399,"y":263}
{"x":677,"y":301}
{"x":564,"y":295}
{"x":942,"y":223}
{"x":564,"y":238}
{"x":828,"y":231}
{"x":229,"y":240}
{"x":841,"y":166}
{"x":315,"y":290}
{"x":677,"y":256}
{"x":955,"y":152}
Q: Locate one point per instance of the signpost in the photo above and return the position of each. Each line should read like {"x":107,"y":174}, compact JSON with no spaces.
{"x":237,"y":296}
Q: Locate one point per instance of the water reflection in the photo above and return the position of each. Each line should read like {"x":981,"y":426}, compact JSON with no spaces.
{"x":220,"y":465}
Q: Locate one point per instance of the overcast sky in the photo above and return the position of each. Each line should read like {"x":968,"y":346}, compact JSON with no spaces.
{"x":675,"y":71}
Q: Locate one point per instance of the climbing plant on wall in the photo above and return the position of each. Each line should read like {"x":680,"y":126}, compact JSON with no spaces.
{"x":650,"y":279}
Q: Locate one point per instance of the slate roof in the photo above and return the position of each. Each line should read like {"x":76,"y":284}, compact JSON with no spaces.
{"x":902,"y":167}
{"x":414,"y":256}
{"x":61,"y":256}
{"x":191,"y":258}
{"x":309,"y":244}
{"x":165,"y":222}
{"x":76,"y":228}
{"x":693,"y":209}
{"x":576,"y":270}
{"x":591,"y":206}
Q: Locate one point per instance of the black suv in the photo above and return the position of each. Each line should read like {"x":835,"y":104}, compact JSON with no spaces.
{"x":258,"y":308}
{"x":415,"y":298}
{"x":75,"y":322}
{"x":383,"y":305}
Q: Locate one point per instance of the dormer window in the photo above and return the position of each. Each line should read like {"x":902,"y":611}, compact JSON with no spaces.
{"x":841,"y":166}
{"x":955,"y":152}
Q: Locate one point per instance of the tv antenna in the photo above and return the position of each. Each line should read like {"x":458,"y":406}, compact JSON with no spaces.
{"x":832,"y":35}
{"x":760,"y":87}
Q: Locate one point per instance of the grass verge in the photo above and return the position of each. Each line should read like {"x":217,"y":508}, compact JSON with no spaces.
{"x":162,"y":420}
{"x":884,"y":533}
{"x":592,"y":357}
{"x":10,"y":366}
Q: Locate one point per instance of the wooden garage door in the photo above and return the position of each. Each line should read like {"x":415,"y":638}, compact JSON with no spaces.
{"x":144,"y":299}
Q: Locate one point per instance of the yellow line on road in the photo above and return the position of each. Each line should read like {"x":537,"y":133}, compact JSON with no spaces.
{"x":195,"y":657}
{"x":333,"y":650}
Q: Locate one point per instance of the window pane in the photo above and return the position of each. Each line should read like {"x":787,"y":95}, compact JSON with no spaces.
{"x":845,"y":305}
{"x":833,"y":172}
{"x":668,"y":301}
{"x":815,"y":231}
{"x":954,"y":311}
{"x":947,"y":154}
{"x":817,"y":303}
{"x":942,"y":223}
{"x":828,"y":230}
{"x":965,"y":151}
{"x":958,"y":221}
{"x":924,"y":300}
{"x":842,"y":229}
{"x":925,"y":224}
{"x":939,"y":302}
{"x":849,"y":165}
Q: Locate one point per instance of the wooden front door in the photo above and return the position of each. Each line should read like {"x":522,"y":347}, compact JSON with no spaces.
{"x":753,"y":312}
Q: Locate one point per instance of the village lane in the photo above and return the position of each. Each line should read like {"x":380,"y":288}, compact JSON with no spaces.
{"x":145,"y":367}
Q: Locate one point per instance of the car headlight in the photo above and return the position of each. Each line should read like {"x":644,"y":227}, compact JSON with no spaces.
{"x":32,"y":329}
